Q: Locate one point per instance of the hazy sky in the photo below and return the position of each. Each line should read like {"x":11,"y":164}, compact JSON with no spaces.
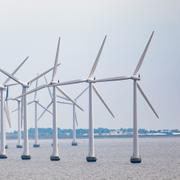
{"x":32,"y":28}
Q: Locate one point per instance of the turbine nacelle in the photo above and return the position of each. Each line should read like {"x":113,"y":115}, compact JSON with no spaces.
{"x":26,"y":85}
{"x":90,"y":80}
{"x":53,"y":83}
{"x":137,"y":78}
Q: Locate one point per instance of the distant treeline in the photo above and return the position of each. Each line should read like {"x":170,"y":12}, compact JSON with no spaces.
{"x":46,"y":133}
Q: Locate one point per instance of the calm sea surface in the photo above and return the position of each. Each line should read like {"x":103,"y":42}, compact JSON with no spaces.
{"x":160,"y":160}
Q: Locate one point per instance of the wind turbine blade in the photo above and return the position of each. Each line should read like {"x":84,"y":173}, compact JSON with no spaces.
{"x":61,"y":102}
{"x":11,"y":77}
{"x":81,"y":93}
{"x":102,"y":100}
{"x":35,"y":94}
{"x":11,"y":99}
{"x":13,"y":84}
{"x":30,"y":102}
{"x":61,"y":91}
{"x":12,"y":74}
{"x":56,"y":61}
{"x":48,"y":87}
{"x":118,"y":78}
{"x":33,"y":90}
{"x":62,"y":97}
{"x":75,"y":116}
{"x":71,"y":82}
{"x":6,"y":109}
{"x":97,"y":59}
{"x":42,"y":74}
{"x":146,"y":99}
{"x":44,"y":107}
{"x":143,"y":55}
{"x":44,"y":111}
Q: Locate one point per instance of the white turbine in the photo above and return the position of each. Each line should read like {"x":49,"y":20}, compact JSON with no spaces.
{"x":25,"y":86}
{"x":19,"y":144}
{"x":75,"y":122}
{"x":136,"y":158}
{"x":3,"y":146}
{"x":36,"y":104}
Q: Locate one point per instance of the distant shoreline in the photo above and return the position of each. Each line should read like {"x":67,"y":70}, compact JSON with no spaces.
{"x":107,"y":137}
{"x":46,"y":133}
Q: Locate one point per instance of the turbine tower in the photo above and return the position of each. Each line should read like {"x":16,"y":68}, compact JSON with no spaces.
{"x":19,"y":143}
{"x":3,"y":132}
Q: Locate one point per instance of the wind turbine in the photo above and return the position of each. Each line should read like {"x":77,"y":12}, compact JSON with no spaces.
{"x":19,"y":144}
{"x":4,"y":106}
{"x":36,"y":104}
{"x":25,"y":86}
{"x":55,"y":153}
{"x":75,"y":122}
{"x":136,"y":158}
{"x":3,"y":146}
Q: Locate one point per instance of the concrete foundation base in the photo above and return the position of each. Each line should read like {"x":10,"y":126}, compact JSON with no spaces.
{"x":19,"y":146}
{"x":3,"y":156}
{"x":25,"y":157}
{"x":91,"y":159}
{"x":54,"y":158}
{"x":36,"y":145}
{"x":135,"y":159}
{"x":74,"y":143}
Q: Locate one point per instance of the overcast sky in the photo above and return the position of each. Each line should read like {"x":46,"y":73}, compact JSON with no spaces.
{"x":31,"y":28}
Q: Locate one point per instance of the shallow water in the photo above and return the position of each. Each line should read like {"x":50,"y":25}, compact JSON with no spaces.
{"x":160,"y":160}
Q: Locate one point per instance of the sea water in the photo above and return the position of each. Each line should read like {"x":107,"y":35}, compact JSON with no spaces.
{"x":160,"y":160}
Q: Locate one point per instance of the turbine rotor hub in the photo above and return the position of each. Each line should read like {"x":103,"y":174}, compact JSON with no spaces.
{"x":137,"y":78}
